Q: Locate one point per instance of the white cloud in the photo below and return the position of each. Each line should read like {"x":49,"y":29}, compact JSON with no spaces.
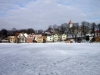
{"x":42,"y":13}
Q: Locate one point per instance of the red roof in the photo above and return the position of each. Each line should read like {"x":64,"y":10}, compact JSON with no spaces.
{"x":70,"y":22}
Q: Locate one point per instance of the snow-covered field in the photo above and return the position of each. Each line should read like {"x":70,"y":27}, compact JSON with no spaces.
{"x":50,"y":59}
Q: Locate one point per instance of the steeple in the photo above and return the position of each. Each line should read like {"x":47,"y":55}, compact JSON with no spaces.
{"x":70,"y":24}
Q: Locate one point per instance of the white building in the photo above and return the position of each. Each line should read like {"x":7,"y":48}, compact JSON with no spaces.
{"x":55,"y":37}
{"x":64,"y":37}
{"x":49,"y":38}
{"x":22,"y":37}
{"x":70,"y":24}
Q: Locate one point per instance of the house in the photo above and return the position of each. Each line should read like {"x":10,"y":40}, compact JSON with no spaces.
{"x":16,"y":36}
{"x":30,"y":38}
{"x":12,"y":39}
{"x":63,"y":37}
{"x":90,"y":36}
{"x":59,"y":38}
{"x":22,"y":37}
{"x":55,"y":37}
{"x":39,"y":39}
{"x":97,"y":36}
{"x":67,"y":41}
{"x":97,"y":33}
{"x":0,"y":40}
{"x":4,"y":41}
{"x":49,"y":38}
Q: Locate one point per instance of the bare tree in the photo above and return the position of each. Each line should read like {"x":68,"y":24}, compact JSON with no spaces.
{"x":85,"y":27}
{"x":93,"y":25}
{"x":40,"y":31}
{"x":55,"y":27}
{"x":4,"y":33}
{"x":99,"y":29}
{"x":30,"y":30}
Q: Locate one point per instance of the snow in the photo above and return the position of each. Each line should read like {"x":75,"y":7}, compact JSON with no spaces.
{"x":50,"y":59}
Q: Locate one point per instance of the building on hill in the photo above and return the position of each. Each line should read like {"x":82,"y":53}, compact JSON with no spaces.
{"x":70,"y":24}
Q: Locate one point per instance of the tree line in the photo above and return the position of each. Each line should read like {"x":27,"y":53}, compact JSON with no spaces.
{"x":82,"y":29}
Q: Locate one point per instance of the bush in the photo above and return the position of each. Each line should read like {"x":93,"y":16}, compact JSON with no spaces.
{"x":87,"y":38}
{"x":93,"y":40}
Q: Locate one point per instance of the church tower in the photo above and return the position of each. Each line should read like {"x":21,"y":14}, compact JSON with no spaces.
{"x":70,"y":24}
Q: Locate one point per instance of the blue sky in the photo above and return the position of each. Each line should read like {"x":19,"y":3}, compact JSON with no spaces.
{"x":39,"y":14}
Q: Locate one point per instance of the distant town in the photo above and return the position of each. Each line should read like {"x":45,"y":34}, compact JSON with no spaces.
{"x":67,"y":32}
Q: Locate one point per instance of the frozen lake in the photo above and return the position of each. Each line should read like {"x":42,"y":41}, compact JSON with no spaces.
{"x":50,"y":59}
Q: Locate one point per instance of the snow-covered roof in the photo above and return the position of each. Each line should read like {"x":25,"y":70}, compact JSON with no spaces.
{"x":25,"y":34}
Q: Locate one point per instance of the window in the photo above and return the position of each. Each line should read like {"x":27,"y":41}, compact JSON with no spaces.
{"x":10,"y":39}
{"x":22,"y":39}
